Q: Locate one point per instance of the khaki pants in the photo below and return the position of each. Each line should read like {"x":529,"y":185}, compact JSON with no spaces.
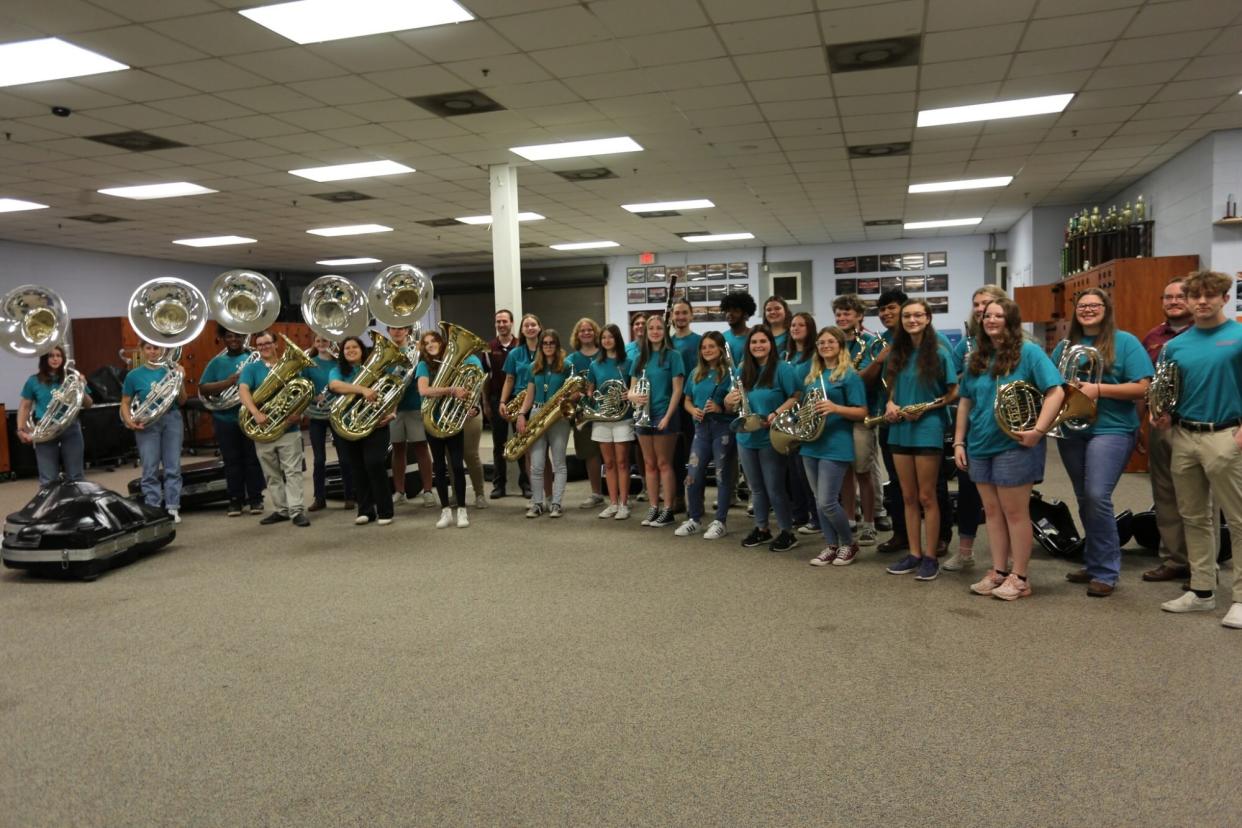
{"x":471,"y":433}
{"x":281,"y":461}
{"x":1207,"y":473}
{"x":1164,"y":496}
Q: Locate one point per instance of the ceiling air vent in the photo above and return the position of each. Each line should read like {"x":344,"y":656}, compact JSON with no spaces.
{"x":444,"y":222}
{"x":659,"y":214}
{"x":694,"y":233}
{"x":97,"y":218}
{"x":880,"y":150}
{"x":135,"y":141}
{"x":874,"y":54}
{"x":343,"y":196}
{"x":452,"y":104}
{"x":589,"y":174}
{"x":881,"y":222}
{"x":525,"y":245}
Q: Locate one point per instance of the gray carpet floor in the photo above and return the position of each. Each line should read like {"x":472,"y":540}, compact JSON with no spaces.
{"x":589,"y":672}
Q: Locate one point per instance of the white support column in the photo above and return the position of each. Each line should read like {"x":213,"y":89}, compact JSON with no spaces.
{"x":506,"y":261}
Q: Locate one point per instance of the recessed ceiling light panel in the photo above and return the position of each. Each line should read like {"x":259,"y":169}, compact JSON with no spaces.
{"x":964,"y":184}
{"x":660,"y":206}
{"x":314,"y":21}
{"x":719,"y":237}
{"x":50,"y":58}
{"x":583,"y":245}
{"x":928,"y":225}
{"x":142,"y":192}
{"x":347,"y":262}
{"x":16,"y":205}
{"x":342,"y":172}
{"x":577,"y":149}
{"x":1017,"y":108}
{"x":488,"y":219}
{"x":214,"y":241}
{"x":350,"y":230}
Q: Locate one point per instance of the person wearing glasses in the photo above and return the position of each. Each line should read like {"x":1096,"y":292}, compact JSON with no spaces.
{"x":282,"y":458}
{"x":243,"y":476}
{"x":1207,"y":438}
{"x":547,"y":374}
{"x":1096,"y":456}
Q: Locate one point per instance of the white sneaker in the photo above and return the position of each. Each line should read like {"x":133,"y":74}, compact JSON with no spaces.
{"x":429,"y":499}
{"x":555,"y":510}
{"x":446,"y":518}
{"x":398,"y":498}
{"x":690,"y":527}
{"x":1189,"y":602}
{"x":1233,"y":618}
{"x":384,"y":521}
{"x":623,"y":512}
{"x":462,"y":520}
{"x":480,"y":500}
{"x":591,"y":502}
{"x":715,"y":530}
{"x":176,"y":515}
{"x":361,"y":520}
{"x":807,"y":529}
{"x":641,"y":497}
{"x":611,"y":511}
{"x":957,"y":562}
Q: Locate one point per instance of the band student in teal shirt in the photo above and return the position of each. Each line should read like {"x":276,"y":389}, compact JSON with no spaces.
{"x":919,"y":373}
{"x":65,"y":452}
{"x":613,"y":438}
{"x":706,"y":386}
{"x":661,"y":365}
{"x":686,"y":342}
{"x":159,"y":440}
{"x":828,"y":458}
{"x":1004,"y":469}
{"x":1096,"y":456}
{"x":517,"y":378}
{"x":243,"y":476}
{"x":547,"y":374}
{"x":798,"y":351}
{"x":320,"y":373}
{"x":769,"y":388}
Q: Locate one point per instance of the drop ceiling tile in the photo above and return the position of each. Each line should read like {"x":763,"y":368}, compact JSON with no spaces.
{"x":711,"y":97}
{"x":63,"y":17}
{"x":1158,"y":19}
{"x":416,"y":81}
{"x":799,"y":110}
{"x":1191,"y":108}
{"x":1045,"y":61}
{"x":584,"y":59}
{"x":257,"y":126}
{"x":211,"y":75}
{"x":1118,"y":96}
{"x":499,"y":69}
{"x":772,"y":34}
{"x":782,"y":64}
{"x":612,"y":84}
{"x":1139,"y":74}
{"x":725,"y":116}
{"x":674,"y":47}
{"x":238,"y":149}
{"x":316,"y":119}
{"x":956,"y":95}
{"x":459,"y":41}
{"x":1054,"y":84}
{"x":377,"y":53}
{"x":791,"y":89}
{"x":1164,"y":47}
{"x":1180,"y":90}
{"x":873,"y":21}
{"x":66,"y":93}
{"x":964,"y":44}
{"x":274,"y":98}
{"x":203,"y":107}
{"x":963,"y":14}
{"x":964,"y":72}
{"x":541,"y":94}
{"x":901,"y":105}
{"x":135,"y":85}
{"x":287,"y":65}
{"x":388,"y":109}
{"x":220,"y":33}
{"x":807,"y":127}
{"x":550,"y":28}
{"x":1219,"y":120}
{"x":196,"y":134}
{"x":625,"y":18}
{"x":876,"y":81}
{"x":642,"y":106}
{"x":714,"y":72}
{"x":1076,"y":30}
{"x":1226,"y":43}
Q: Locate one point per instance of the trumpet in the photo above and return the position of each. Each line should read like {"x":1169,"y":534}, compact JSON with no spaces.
{"x":745,"y":421}
{"x":168,"y":312}
{"x":906,"y":411}
{"x":446,"y":416}
{"x":642,"y":411}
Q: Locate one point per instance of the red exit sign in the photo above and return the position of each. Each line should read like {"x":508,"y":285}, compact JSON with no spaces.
{"x":646,"y":258}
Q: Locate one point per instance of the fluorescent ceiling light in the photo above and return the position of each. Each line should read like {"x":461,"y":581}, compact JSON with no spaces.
{"x":927,"y":225}
{"x":350,"y":230}
{"x":488,"y":219}
{"x":583,"y":245}
{"x":16,"y":205}
{"x":657,"y":206}
{"x":577,"y":149}
{"x":994,"y":111}
{"x":214,"y":241}
{"x":49,"y":58}
{"x":146,"y":191}
{"x":715,"y":237}
{"x":314,"y":21}
{"x":342,"y":172}
{"x":964,"y":184}
{"x":347,"y":262}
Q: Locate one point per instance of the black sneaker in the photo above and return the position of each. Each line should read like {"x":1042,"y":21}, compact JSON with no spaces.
{"x":300,"y":519}
{"x":893,"y":544}
{"x":274,"y":517}
{"x":784,"y":542}
{"x":757,"y":537}
{"x":663,"y":518}
{"x":235,"y":508}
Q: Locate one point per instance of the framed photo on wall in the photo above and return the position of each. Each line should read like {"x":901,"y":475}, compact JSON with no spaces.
{"x":888,"y":283}
{"x":869,"y":286}
{"x":845,"y":264}
{"x":716,"y":272}
{"x":938,"y":259}
{"x":657,"y":273}
{"x":698,"y":293}
{"x":938,"y":283}
{"x":868,"y":264}
{"x":636,"y":296}
{"x":695,"y":273}
{"x":914,"y":284}
{"x":845,"y":286}
{"x":938,"y":304}
{"x":716,"y":292}
{"x":890,"y":262}
{"x":635,"y":275}
{"x":912,"y":261}
{"x":679,"y":272}
{"x":739,"y":270}
{"x":744,"y":287}
{"x":657,"y":294}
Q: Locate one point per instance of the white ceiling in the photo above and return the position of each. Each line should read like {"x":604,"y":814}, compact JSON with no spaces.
{"x":732,"y":100}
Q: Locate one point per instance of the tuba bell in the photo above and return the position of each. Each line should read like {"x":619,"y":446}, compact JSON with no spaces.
{"x":1078,"y":411}
{"x":168,"y":312}
{"x":446,"y":416}
{"x":33,"y":321}
{"x":334,"y":308}
{"x":282,"y":396}
{"x":244,"y":302}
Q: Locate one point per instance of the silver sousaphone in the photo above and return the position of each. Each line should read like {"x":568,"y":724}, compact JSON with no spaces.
{"x":33,"y":321}
{"x":246,"y":303}
{"x":168,"y":312}
{"x":334,"y":308}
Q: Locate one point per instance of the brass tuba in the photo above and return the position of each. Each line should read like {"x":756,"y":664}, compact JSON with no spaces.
{"x":1166,"y":386}
{"x":333,"y":308}
{"x":33,"y":321}
{"x":446,"y":416}
{"x":168,"y":312}
{"x":282,"y":396}
{"x":243,"y":302}
{"x":557,"y":408}
{"x":1078,"y":411}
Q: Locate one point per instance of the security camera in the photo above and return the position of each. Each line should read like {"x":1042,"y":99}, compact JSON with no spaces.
{"x":62,"y":111}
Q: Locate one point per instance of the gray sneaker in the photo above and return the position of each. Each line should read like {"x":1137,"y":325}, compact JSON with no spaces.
{"x":591,"y":502}
{"x":957,"y":562}
{"x":429,"y":500}
{"x":866,"y":536}
{"x":555,"y":510}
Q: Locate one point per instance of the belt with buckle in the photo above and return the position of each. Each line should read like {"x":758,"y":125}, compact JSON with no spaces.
{"x":1191,"y":425}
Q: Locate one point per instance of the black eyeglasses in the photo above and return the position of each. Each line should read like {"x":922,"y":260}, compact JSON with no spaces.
{"x":548,"y":342}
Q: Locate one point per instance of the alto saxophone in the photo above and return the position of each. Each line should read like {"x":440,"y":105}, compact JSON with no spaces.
{"x":906,"y":411}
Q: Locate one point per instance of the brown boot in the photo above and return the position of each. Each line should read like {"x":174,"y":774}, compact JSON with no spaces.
{"x":1078,"y":576}
{"x":317,"y":505}
{"x":1165,"y":572}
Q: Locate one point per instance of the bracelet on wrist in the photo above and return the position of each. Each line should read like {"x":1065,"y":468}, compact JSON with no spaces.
{"x":955,"y":445}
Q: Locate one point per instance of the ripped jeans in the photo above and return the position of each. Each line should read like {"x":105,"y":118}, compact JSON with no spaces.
{"x":712,"y":441}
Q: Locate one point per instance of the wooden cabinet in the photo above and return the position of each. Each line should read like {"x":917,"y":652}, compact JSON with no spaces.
{"x":1038,"y":303}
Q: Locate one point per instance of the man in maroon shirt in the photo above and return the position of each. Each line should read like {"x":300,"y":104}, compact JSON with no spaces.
{"x":497,"y":349}
{"x":1173,"y":562}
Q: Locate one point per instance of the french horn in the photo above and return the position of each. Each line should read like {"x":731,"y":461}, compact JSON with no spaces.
{"x":246,"y":303}
{"x":33,"y":321}
{"x":1166,"y":386}
{"x":167,"y":312}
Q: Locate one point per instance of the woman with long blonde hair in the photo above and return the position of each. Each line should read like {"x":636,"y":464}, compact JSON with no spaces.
{"x":547,"y":374}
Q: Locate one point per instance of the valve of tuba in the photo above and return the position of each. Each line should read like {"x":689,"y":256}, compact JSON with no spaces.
{"x":446,"y":416}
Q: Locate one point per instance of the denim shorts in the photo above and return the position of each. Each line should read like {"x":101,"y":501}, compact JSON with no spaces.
{"x":674,"y":427}
{"x":1017,"y":466}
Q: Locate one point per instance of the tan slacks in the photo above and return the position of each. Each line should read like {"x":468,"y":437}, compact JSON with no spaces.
{"x":281,"y":461}
{"x":1207,"y":474}
{"x":471,"y":434}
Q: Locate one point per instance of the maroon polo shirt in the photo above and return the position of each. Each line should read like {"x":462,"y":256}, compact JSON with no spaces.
{"x":1158,"y":336}
{"x":496,"y":354}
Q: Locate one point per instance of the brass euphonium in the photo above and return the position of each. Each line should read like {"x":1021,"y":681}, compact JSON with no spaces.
{"x":1078,"y":411}
{"x":244,"y":302}
{"x":801,"y":424}
{"x":446,"y":416}
{"x":33,"y":321}
{"x":168,"y":312}
{"x":283,"y":396}
{"x":352,"y":415}
{"x":1166,"y":386}
{"x":559,"y":407}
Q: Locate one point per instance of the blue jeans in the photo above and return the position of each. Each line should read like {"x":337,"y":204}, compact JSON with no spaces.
{"x":826,"y":477}
{"x":1095,"y":465}
{"x":712,"y":440}
{"x":160,"y":443}
{"x":802,"y":496}
{"x":243,"y":476}
{"x":319,"y":446}
{"x":65,"y":452}
{"x":765,"y":472}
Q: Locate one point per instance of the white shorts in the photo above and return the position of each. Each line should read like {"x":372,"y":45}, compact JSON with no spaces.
{"x":408,"y":427}
{"x":621,"y":431}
